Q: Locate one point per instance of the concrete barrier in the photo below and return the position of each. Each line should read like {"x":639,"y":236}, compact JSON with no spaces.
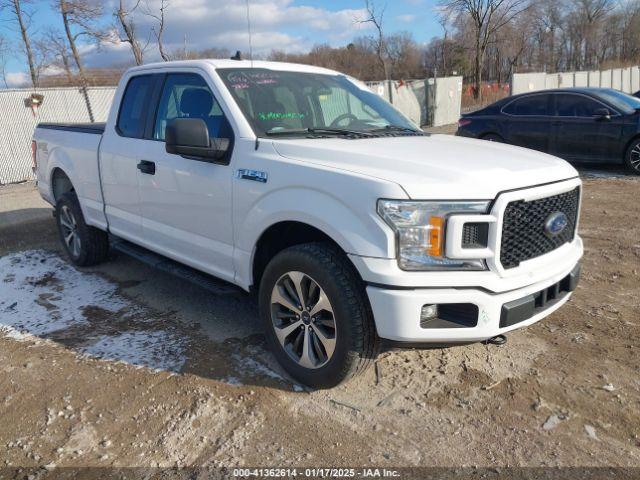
{"x":433,"y":101}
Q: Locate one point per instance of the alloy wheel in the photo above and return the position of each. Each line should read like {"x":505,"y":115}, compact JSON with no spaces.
{"x":634,"y":158}
{"x":70,"y":231}
{"x":303,"y":320}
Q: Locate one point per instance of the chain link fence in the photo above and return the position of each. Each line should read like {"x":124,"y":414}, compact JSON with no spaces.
{"x":19,"y":119}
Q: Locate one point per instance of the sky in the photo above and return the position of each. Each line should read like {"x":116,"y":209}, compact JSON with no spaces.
{"x":289,"y":25}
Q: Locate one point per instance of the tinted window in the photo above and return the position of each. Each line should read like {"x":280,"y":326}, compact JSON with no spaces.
{"x":576,"y":106}
{"x":188,"y":96}
{"x":529,"y":106}
{"x":626,"y":103}
{"x":131,"y":120}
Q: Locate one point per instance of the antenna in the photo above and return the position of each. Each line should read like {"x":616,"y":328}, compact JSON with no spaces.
{"x":249,"y":30}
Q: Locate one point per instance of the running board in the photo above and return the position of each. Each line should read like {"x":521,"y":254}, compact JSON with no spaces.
{"x":208,"y":282}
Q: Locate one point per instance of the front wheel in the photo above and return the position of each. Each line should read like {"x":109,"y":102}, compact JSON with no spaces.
{"x":632,"y":157}
{"x":317,"y":320}
{"x":84,"y":245}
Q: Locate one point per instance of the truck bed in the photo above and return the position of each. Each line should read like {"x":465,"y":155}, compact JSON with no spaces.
{"x":95,"y":128}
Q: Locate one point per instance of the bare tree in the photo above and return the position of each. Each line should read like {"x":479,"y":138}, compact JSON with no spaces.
{"x":55,"y":47}
{"x":22,"y":18}
{"x":590,"y":15}
{"x":79,"y":18}
{"x":158,"y":31}
{"x":5,"y":52}
{"x":487,"y":17}
{"x":125,"y":20}
{"x":445,"y":19}
{"x":375,"y":17}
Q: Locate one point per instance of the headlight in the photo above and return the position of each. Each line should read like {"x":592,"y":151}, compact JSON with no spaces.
{"x":420,"y":232}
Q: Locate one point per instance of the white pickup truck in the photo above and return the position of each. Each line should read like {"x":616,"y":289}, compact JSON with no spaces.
{"x":352,"y":224}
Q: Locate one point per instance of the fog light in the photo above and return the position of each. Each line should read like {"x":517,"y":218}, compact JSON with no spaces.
{"x":429,"y":312}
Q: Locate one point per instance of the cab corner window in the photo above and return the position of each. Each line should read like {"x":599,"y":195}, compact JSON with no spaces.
{"x":133,"y":110}
{"x":188,"y":96}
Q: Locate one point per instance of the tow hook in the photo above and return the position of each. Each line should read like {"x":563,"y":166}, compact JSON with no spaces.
{"x":498,"y":340}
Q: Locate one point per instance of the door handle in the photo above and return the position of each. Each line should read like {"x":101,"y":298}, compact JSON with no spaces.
{"x":145,"y":166}
{"x":556,"y":124}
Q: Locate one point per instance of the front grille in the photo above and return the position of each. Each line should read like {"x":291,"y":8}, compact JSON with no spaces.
{"x":523,"y":230}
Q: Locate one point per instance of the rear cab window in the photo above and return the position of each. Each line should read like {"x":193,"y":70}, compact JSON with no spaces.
{"x":134,"y":106}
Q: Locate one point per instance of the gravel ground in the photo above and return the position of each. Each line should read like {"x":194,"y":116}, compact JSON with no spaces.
{"x":124,"y":366}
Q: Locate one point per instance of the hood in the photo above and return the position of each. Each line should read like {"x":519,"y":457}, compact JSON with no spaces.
{"x":436,"y":166}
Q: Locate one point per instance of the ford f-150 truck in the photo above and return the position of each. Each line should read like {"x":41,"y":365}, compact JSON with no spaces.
{"x":351,"y":223}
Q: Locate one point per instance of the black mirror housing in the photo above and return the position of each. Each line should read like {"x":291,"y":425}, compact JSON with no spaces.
{"x":602,"y":114}
{"x":189,"y":137}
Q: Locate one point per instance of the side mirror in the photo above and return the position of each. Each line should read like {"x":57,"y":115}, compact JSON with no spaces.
{"x":602,"y":114}
{"x":189,"y":137}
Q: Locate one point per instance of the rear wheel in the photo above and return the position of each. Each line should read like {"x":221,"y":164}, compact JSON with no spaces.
{"x":493,"y":137}
{"x":317,"y":320}
{"x":84,"y":245}
{"x":632,"y":157}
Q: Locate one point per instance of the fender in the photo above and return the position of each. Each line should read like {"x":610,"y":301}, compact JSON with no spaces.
{"x":365,"y":235}
{"x":85,"y":182}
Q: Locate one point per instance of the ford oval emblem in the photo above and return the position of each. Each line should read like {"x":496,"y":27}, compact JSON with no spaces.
{"x":555,"y":224}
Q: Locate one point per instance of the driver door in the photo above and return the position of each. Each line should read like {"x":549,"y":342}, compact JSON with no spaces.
{"x":186,"y":203}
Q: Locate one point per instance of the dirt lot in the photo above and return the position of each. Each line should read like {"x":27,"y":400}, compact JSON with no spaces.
{"x":122,"y":365}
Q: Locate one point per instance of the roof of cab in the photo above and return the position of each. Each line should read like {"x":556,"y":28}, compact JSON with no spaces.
{"x":228,"y":63}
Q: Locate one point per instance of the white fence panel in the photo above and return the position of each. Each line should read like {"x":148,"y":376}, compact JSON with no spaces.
{"x":581,"y":79}
{"x":18,"y":122}
{"x":635,"y":79}
{"x":552,"y":81}
{"x":616,"y":78}
{"x":623,"y":79}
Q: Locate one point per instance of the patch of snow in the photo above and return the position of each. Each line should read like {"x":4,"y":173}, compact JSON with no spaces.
{"x":41,"y":295}
{"x":234,"y":381}
{"x":249,"y":366}
{"x":156,"y":350}
{"x":604,"y":173}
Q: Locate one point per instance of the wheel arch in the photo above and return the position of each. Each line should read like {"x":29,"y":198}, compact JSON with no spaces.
{"x":492,"y":133}
{"x":60,"y":183}
{"x":635,"y":138}
{"x":280,"y":236}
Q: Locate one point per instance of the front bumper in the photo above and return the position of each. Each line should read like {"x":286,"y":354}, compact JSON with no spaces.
{"x":397,"y":311}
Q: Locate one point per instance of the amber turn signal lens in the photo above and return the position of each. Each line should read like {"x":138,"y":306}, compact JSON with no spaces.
{"x":436,"y":237}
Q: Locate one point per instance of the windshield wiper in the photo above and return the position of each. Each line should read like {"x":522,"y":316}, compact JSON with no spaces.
{"x":315,"y":131}
{"x":396,"y":128}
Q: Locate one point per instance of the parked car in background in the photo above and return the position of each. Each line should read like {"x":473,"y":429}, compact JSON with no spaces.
{"x":351,"y":223}
{"x":579,"y":124}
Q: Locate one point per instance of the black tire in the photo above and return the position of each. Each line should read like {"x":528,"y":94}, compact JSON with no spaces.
{"x":493,"y":137}
{"x":632,"y":157}
{"x":356,"y":340}
{"x":93,"y":244}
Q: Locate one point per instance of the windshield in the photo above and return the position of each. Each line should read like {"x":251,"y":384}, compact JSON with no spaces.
{"x":281,"y":103}
{"x":626,"y":103}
